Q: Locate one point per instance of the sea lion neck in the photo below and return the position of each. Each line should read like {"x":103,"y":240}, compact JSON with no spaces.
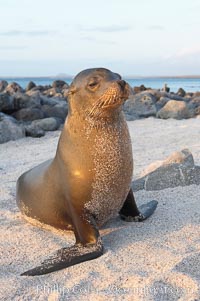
{"x":79,"y":123}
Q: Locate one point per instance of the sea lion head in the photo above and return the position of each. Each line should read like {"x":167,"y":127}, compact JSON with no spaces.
{"x":97,"y":92}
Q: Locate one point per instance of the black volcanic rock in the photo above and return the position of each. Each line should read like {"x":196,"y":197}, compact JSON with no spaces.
{"x":30,"y":86}
{"x":3,"y":85}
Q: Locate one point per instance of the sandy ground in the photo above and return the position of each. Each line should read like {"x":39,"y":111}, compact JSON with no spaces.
{"x":158,"y":259}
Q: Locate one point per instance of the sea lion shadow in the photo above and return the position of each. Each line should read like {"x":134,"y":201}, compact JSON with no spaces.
{"x":117,"y":234}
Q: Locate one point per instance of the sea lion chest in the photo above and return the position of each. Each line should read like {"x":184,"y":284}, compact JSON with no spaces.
{"x":111,"y":154}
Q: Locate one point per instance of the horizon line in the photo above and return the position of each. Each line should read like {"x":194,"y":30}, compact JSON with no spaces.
{"x":72,"y":76}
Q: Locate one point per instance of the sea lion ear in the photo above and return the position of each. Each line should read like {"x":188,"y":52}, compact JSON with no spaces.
{"x":71,"y":90}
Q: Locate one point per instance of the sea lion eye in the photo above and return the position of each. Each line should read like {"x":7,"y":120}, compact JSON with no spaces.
{"x":93,"y":83}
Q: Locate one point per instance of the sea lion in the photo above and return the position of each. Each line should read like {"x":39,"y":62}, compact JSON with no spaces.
{"x":89,"y":180}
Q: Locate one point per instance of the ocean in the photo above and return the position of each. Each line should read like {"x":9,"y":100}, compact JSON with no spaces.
{"x":188,"y":84}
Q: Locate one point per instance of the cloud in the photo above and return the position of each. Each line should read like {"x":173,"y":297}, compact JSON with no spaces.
{"x":26,"y":33}
{"x":13,"y":47}
{"x":96,"y":40}
{"x":109,"y":28}
{"x":184,"y":52}
{"x":156,"y":27}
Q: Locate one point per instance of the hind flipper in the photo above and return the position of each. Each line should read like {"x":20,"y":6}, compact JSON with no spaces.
{"x":131,"y":213}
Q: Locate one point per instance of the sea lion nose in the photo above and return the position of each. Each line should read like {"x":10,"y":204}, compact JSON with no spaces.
{"x":122,"y":84}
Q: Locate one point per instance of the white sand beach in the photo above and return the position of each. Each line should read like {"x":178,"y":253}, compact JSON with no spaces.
{"x":158,"y":259}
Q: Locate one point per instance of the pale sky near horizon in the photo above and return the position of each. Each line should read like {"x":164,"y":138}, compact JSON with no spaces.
{"x":131,"y":37}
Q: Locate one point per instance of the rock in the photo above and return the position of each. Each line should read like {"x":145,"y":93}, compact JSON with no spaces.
{"x":183,"y":157}
{"x":177,"y":170}
{"x":46,"y":124}
{"x":30,"y":86}
{"x":13,"y":88}
{"x":22,"y":101}
{"x":181,"y":92}
{"x":196,"y":94}
{"x":189,"y":94}
{"x":140,"y":105}
{"x":59,"y":110}
{"x":52,"y":92}
{"x":131,"y":117}
{"x":28,"y":114}
{"x":194,"y":106}
{"x":158,"y":94}
{"x":49,"y":101}
{"x":140,"y":89}
{"x":41,"y":88}
{"x":197,"y":112}
{"x":173,"y":96}
{"x":34,"y":131}
{"x":6,"y":103}
{"x":194,"y":103}
{"x":10,"y":129}
{"x":59,"y":95}
{"x":3,"y":85}
{"x":60,"y":84}
{"x":174,"y":109}
{"x":161,"y":102}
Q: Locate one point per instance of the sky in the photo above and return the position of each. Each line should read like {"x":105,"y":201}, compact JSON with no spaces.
{"x":131,"y":37}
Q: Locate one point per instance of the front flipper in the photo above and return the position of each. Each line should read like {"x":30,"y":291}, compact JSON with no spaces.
{"x":67,"y":257}
{"x":130,"y":212}
{"x":88,"y":246}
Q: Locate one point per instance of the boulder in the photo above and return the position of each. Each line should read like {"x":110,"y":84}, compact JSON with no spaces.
{"x":60,"y":84}
{"x":181,"y":92}
{"x":174,"y":96}
{"x":140,"y":105}
{"x":30,"y":86}
{"x":194,"y":106}
{"x":13,"y":88}
{"x":59,"y":110}
{"x":10,"y":129}
{"x":196,"y":94}
{"x":3,"y":85}
{"x":49,"y":101}
{"x":28,"y":114}
{"x":139,"y":89}
{"x":161,"y":102}
{"x":22,"y":101}
{"x":177,"y":170}
{"x":197,"y":112}
{"x":189,"y":94}
{"x":46,"y":124}
{"x":6,"y":103}
{"x":32,"y":93}
{"x":34,"y":131}
{"x":158,"y":94}
{"x":51,"y":92}
{"x":59,"y":95}
{"x":194,"y":103}
{"x":174,"y":109}
{"x":41,"y":88}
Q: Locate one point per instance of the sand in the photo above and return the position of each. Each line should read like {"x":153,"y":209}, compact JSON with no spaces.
{"x":158,"y":259}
